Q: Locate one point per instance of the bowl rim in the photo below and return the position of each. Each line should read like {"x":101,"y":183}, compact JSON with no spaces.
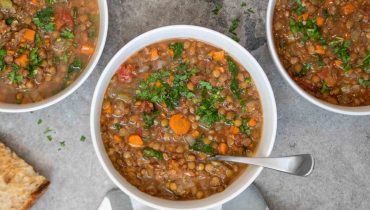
{"x":360,"y":110}
{"x":95,"y":119}
{"x":103,"y":30}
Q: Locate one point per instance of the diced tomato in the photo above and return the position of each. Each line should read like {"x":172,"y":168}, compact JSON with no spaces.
{"x":328,"y":75}
{"x":323,"y":73}
{"x":125,"y":73}
{"x":63,"y":18}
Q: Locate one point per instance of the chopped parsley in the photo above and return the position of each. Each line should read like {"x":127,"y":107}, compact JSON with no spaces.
{"x":49,"y":137}
{"x":117,"y":126}
{"x":200,"y":146}
{"x":62,"y":144}
{"x":83,"y":138}
{"x":67,"y":34}
{"x":164,"y":92}
{"x":300,"y":8}
{"x":48,"y":130}
{"x":217,"y":9}
{"x":10,"y":20}
{"x":364,"y":83}
{"x":234,"y":86}
{"x":148,"y":121}
{"x":75,"y":66}
{"x":149,"y":152}
{"x":13,"y":76}
{"x":244,"y":128}
{"x":324,"y":88}
{"x":340,"y":49}
{"x":44,"y":19}
{"x":39,"y":121}
{"x":35,"y":61}
{"x":178,"y":49}
{"x":2,"y":62}
{"x":309,"y":30}
{"x":366,"y":63}
{"x":305,"y":69}
{"x":234,"y":25}
{"x":320,"y":61}
{"x":207,"y":110}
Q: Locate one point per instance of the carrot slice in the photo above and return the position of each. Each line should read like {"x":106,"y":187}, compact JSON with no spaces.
{"x":252,"y":122}
{"x":117,"y":138}
{"x":29,"y":35}
{"x":179,"y":124}
{"x":320,"y":49}
{"x":304,"y":16}
{"x":320,"y":20}
{"x":154,"y":54}
{"x":218,"y":56}
{"x":338,"y":63}
{"x":234,"y":130}
{"x":223,"y":148}
{"x":348,"y":9}
{"x":87,"y":49}
{"x":22,"y":60}
{"x":135,"y":140}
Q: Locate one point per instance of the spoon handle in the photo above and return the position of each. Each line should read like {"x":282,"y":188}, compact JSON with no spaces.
{"x":300,"y":165}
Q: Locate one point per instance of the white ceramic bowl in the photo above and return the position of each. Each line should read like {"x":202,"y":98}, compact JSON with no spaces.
{"x":362,"y":110}
{"x":236,"y":51}
{"x":103,"y":29}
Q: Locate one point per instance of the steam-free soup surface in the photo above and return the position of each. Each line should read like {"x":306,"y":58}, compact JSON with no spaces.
{"x":172,"y":105}
{"x":325,"y":47}
{"x":44,"y":46}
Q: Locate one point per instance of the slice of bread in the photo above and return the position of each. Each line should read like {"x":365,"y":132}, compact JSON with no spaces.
{"x":20,"y":185}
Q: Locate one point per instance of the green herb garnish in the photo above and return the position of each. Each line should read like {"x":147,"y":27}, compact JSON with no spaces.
{"x":300,"y":8}
{"x":83,"y":138}
{"x":34,"y":63}
{"x":234,"y":86}
{"x":305,"y":69}
{"x":148,"y":121}
{"x":149,"y":152}
{"x":324,"y":88}
{"x":49,"y":137}
{"x":234,"y":25}
{"x":13,"y":76}
{"x":75,"y":66}
{"x":39,"y":121}
{"x":117,"y":126}
{"x":10,"y":20}
{"x":244,"y":128}
{"x":217,"y":9}
{"x":67,"y":34}
{"x":364,"y":83}
{"x":178,"y":49}
{"x":340,"y":48}
{"x":2,"y":62}
{"x":44,"y":19}
{"x":200,"y":146}
{"x":366,"y":63}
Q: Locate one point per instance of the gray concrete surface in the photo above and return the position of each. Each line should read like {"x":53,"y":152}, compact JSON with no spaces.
{"x":341,"y":144}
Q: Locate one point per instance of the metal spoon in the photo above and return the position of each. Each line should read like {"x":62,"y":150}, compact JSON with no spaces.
{"x":300,"y":165}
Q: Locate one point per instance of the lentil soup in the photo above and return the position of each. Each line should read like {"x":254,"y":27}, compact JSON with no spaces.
{"x":44,"y":46}
{"x":172,"y":105}
{"x":324,"y":46}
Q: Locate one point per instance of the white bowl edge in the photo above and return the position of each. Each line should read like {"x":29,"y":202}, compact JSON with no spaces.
{"x":184,"y":31}
{"x":361,"y":110}
{"x":103,"y":30}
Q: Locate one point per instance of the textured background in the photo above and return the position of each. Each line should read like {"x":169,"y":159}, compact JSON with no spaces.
{"x":340,"y":144}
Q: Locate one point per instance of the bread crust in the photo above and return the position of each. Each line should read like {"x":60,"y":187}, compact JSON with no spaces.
{"x":13,"y":172}
{"x":36,"y":195}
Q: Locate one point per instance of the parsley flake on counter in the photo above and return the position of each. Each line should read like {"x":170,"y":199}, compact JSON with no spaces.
{"x":83,"y":138}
